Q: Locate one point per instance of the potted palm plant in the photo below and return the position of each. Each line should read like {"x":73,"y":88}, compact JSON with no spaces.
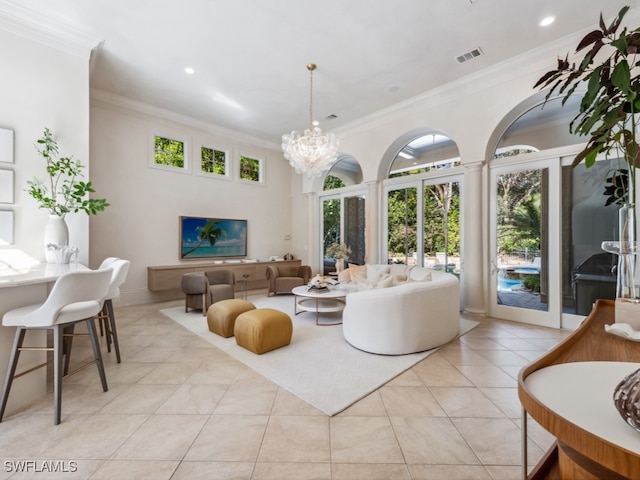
{"x":64,"y":192}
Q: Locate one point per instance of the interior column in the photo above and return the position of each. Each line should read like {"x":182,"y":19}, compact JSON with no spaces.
{"x":473,"y":288}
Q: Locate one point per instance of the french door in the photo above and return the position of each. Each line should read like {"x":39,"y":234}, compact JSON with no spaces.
{"x":548,"y":220}
{"x":525,"y":242}
{"x":343,"y":221}
{"x":422,"y":222}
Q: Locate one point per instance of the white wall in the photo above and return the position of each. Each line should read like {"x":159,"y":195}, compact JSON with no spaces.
{"x":42,"y":86}
{"x":142,"y":222}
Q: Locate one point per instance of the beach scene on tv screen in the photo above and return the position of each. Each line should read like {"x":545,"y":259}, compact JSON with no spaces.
{"x":213,"y":237}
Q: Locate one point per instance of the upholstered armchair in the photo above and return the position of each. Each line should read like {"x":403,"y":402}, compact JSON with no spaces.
{"x":220,"y":285}
{"x":202,"y":289}
{"x":283,"y":278}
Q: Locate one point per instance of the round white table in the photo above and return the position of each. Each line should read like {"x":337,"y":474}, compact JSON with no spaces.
{"x":318,"y":301}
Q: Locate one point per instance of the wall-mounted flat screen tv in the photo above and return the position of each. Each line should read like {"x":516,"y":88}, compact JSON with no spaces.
{"x":212,"y":237}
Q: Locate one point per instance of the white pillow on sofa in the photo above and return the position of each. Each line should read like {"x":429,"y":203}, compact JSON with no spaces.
{"x":344,"y":276}
{"x":385,"y":281}
{"x":358,"y":273}
{"x":398,"y":279}
{"x":375,"y":273}
{"x":400,"y":269}
{"x":419,"y":275}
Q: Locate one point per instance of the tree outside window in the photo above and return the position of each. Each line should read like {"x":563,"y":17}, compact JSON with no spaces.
{"x":250,"y":169}
{"x":168,"y":152}
{"x":213,"y":161}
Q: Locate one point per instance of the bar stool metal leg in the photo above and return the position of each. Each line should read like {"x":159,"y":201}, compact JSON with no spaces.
{"x":18,"y":339}
{"x":97,"y":354}
{"x":112,"y":332}
{"x":58,"y":342}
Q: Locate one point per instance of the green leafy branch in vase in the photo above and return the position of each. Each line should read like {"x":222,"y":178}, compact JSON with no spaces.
{"x":65,"y":192}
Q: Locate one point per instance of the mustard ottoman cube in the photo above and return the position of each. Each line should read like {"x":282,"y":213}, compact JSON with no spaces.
{"x":263,"y":329}
{"x":222,"y":315}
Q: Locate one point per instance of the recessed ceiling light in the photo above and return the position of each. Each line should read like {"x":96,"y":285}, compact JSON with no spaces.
{"x":189,"y":70}
{"x":546,"y":21}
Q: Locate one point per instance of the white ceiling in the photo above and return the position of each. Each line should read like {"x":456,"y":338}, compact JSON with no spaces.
{"x":250,"y":56}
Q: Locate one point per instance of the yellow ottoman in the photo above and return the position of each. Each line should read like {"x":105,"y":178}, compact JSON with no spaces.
{"x":222,"y":315}
{"x":263,"y":329}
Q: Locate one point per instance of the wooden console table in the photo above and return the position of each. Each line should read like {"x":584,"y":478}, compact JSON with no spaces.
{"x":252,"y":275}
{"x":569,"y":392}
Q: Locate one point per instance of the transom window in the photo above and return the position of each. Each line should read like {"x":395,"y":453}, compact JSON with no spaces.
{"x":213,"y":160}
{"x":251,"y":169}
{"x":169,"y":152}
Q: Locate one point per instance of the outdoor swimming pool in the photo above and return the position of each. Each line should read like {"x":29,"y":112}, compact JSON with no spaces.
{"x":512,"y":278}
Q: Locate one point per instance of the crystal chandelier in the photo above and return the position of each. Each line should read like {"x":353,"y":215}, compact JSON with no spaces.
{"x":312,"y":152}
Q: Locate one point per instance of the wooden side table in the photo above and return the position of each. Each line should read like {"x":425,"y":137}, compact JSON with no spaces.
{"x":569,"y":392}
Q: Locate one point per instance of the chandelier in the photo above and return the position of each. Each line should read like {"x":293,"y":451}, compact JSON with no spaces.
{"x":311,"y":152}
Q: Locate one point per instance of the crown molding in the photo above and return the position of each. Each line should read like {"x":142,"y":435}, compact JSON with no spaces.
{"x":37,"y":27}
{"x":112,"y":100}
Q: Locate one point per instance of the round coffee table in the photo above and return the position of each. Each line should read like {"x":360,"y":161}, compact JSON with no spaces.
{"x":318,"y":301}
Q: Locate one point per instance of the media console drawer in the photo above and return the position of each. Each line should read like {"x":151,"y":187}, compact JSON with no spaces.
{"x":168,"y":277}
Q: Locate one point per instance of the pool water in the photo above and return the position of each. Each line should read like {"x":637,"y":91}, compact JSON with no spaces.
{"x":512,"y":278}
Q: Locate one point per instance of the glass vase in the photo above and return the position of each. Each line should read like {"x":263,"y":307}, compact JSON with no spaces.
{"x":627,"y":303}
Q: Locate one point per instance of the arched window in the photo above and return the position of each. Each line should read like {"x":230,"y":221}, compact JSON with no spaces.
{"x":425,"y":153}
{"x":542,"y":127}
{"x":345,"y":172}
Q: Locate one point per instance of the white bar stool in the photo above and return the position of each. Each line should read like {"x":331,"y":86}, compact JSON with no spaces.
{"x":75,"y":297}
{"x":106,"y":317}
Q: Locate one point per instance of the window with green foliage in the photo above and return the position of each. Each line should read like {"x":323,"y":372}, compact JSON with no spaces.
{"x":169,"y":152}
{"x":331,"y":182}
{"x":213,"y":161}
{"x":250,"y":169}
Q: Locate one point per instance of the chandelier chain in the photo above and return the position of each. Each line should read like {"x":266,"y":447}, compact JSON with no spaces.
{"x":311,"y":67}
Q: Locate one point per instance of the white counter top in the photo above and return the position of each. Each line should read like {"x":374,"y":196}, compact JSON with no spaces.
{"x":582,"y":393}
{"x":40,"y":273}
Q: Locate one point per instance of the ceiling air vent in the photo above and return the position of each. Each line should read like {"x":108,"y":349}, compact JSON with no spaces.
{"x":476,"y":52}
{"x":331,"y":117}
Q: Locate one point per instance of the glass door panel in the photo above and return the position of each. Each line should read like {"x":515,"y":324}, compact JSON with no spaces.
{"x":331,"y":230}
{"x":588,"y":273}
{"x":525,"y":242}
{"x":343,"y":221}
{"x":354,"y":227}
{"x":520,"y":278}
{"x":442,"y":226}
{"x":402,"y":226}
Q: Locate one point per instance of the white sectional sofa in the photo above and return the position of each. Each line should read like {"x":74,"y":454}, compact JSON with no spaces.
{"x":419,"y":311}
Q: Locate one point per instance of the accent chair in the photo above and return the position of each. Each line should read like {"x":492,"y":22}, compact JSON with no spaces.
{"x":283,"y":278}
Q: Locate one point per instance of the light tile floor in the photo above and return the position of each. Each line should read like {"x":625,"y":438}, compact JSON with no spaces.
{"x":178,"y":408}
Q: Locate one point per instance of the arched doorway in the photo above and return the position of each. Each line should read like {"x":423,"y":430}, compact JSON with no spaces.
{"x":422,"y":202}
{"x":546,"y":219}
{"x":343,"y":213}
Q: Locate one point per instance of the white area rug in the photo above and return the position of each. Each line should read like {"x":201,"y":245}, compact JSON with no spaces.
{"x":319,"y":366}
